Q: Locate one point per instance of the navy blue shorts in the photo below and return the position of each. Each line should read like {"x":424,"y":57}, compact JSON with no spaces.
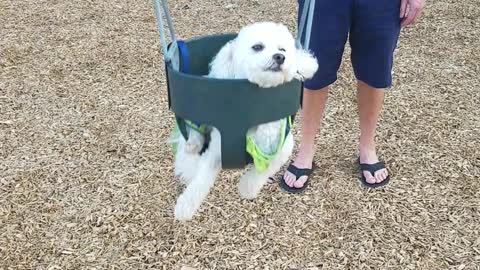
{"x":372,"y":27}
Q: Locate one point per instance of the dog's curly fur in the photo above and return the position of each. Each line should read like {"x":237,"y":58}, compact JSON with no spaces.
{"x":265,"y":54}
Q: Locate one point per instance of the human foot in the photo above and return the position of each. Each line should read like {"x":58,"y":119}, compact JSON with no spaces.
{"x":300,"y":176}
{"x":373,"y":171}
{"x":296,"y":177}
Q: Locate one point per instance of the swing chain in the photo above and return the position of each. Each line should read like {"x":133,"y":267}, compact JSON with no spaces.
{"x":170,"y":53}
{"x":306,"y":18}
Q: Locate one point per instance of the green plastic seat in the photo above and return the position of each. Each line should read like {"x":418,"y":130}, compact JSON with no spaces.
{"x":230,"y":105}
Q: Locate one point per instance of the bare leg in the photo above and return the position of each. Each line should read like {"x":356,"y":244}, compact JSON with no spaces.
{"x":312,"y":113}
{"x":370,"y":101}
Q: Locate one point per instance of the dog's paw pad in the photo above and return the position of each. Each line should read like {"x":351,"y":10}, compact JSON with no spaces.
{"x":184,"y":210}
{"x":193,"y":147}
{"x":246,"y":192}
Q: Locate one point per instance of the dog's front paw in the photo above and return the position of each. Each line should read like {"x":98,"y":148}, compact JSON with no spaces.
{"x":184,"y":209}
{"x":184,"y":180}
{"x":194,"y":143}
{"x":266,"y":82}
{"x":193,"y":147}
{"x":307,"y":65}
{"x":246,"y":190}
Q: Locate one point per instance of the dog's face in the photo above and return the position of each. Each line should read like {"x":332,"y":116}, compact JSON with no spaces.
{"x":265,"y":54}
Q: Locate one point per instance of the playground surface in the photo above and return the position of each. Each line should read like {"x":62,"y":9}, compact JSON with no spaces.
{"x":86,"y":175}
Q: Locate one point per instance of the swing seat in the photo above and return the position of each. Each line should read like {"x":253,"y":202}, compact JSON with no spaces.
{"x":230,"y":105}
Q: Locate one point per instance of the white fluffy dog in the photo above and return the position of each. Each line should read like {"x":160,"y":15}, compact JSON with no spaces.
{"x":265,"y":54}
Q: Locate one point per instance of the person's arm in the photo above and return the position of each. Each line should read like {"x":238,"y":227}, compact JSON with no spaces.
{"x":410,"y":11}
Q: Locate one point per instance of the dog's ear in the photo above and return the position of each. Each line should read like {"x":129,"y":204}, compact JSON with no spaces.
{"x":307,"y":65}
{"x":222,"y":64}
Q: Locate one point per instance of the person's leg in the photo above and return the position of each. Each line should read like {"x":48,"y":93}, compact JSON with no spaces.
{"x":331,"y":24}
{"x":370,"y":101}
{"x":311,"y":115}
{"x":373,"y":39}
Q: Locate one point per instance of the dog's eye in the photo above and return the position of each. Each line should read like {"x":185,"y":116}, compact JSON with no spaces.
{"x":282,"y":49}
{"x":257,"y":47}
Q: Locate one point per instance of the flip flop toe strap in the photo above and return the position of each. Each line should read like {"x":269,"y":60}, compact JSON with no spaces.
{"x":372,"y":168}
{"x":299,"y":172}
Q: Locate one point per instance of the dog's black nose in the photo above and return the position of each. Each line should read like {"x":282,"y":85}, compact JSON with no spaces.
{"x":279,"y":58}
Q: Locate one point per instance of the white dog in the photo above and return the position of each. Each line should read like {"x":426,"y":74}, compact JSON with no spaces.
{"x":265,"y":54}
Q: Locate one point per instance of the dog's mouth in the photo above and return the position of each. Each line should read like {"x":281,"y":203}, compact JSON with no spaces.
{"x":274,"y":68}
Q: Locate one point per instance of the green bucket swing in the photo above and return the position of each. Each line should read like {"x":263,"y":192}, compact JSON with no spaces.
{"x":230,"y":105}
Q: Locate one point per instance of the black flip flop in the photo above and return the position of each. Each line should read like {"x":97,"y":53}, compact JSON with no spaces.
{"x":298,"y":172}
{"x":372,"y":168}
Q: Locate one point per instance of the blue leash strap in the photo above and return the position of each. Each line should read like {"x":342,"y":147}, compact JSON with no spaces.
{"x":184,"y":57}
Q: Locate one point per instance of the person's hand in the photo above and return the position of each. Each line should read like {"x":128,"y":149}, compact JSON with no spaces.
{"x":410,"y":11}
